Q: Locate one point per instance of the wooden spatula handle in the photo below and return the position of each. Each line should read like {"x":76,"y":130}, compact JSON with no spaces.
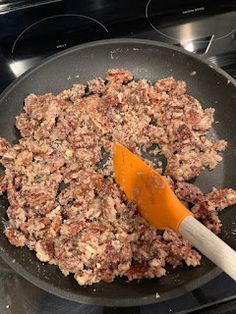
{"x":209,"y":244}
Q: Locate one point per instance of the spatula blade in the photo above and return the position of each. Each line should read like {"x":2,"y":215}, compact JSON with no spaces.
{"x":148,"y":189}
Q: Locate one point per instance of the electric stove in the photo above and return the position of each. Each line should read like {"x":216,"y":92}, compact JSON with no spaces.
{"x":32,"y":30}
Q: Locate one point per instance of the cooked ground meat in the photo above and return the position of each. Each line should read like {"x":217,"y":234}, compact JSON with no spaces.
{"x":64,"y":203}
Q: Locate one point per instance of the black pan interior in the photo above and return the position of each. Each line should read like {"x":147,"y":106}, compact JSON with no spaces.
{"x":150,"y":60}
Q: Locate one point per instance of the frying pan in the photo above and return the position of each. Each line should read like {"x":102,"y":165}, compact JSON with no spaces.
{"x":146,"y":59}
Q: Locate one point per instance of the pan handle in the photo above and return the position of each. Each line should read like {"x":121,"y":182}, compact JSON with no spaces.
{"x":209,"y":244}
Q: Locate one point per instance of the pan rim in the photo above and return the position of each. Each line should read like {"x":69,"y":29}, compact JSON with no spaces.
{"x":121,"y":40}
{"x":93,"y":300}
{"x":105,"y":301}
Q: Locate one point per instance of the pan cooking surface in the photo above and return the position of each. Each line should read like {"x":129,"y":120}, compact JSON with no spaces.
{"x":150,"y":60}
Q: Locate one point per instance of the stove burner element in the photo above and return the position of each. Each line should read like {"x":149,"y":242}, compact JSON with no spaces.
{"x":13,"y":5}
{"x":62,"y":31}
{"x":177,"y":28}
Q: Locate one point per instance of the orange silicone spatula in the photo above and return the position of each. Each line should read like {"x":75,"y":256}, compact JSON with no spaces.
{"x":158,"y":204}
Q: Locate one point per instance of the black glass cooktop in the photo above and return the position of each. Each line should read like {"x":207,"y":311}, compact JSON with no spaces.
{"x":33,"y":30}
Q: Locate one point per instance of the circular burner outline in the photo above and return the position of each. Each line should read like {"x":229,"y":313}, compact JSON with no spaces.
{"x":173,"y":38}
{"x":51,"y":17}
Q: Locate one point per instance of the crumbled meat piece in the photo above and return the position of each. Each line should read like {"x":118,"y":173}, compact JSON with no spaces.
{"x":211,"y":159}
{"x":220,"y":145}
{"x":222,"y":198}
{"x":179,"y":89}
{"x":167,"y":84}
{"x":16,"y":215}
{"x":205,"y":211}
{"x":188,"y":192}
{"x":64,"y":203}
{"x":44,"y":250}
{"x":180,"y":249}
{"x":139,"y":271}
{"x":3,"y":184}
{"x":76,"y":92}
{"x":25,"y":124}
{"x":4,"y":145}
{"x":15,"y":237}
{"x":206,"y":120}
{"x":120,"y":75}
{"x":96,"y":86}
{"x":184,"y":166}
{"x":193,"y":258}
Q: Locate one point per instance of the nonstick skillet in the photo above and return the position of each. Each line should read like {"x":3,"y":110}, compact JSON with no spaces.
{"x":146,"y":59}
